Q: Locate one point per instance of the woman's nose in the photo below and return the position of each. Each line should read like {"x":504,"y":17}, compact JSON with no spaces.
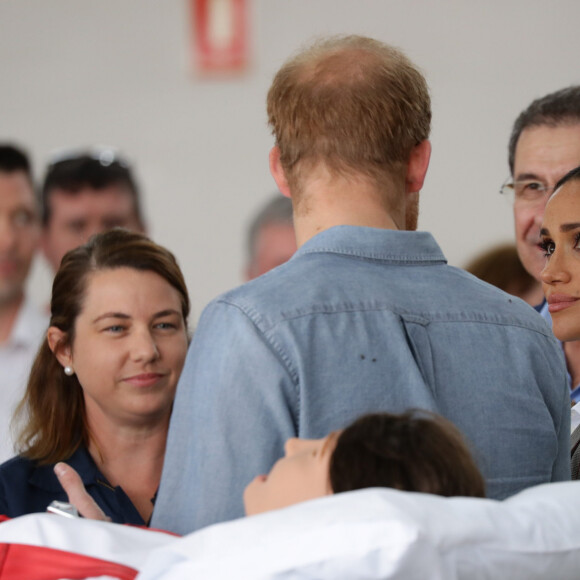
{"x":145,"y":347}
{"x":555,"y":270}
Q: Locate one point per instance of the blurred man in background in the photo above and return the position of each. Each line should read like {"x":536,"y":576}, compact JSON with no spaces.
{"x":22,"y":324}
{"x":271,"y":237}
{"x":544,"y":145}
{"x":84,"y":193}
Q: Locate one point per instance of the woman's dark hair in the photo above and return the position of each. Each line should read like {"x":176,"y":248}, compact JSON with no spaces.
{"x":414,"y":451}
{"x":572,"y":175}
{"x":53,"y":408}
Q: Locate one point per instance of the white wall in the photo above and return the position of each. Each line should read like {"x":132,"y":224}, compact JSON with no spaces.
{"x":76,"y":72}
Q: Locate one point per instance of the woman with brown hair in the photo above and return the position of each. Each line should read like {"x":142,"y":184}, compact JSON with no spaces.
{"x":102,"y":386}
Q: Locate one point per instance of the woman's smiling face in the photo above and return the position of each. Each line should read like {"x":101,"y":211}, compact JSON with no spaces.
{"x":560,"y":233}
{"x":129,"y":346}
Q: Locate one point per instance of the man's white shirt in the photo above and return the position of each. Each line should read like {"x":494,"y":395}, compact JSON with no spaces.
{"x":16,"y":357}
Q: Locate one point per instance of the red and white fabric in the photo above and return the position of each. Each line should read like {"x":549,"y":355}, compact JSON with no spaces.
{"x":50,"y":547}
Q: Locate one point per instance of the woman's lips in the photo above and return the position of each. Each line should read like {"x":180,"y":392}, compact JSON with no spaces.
{"x":144,"y":379}
{"x":557,"y":302}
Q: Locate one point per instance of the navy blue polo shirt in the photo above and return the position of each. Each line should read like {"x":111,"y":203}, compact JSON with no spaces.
{"x":26,"y":487}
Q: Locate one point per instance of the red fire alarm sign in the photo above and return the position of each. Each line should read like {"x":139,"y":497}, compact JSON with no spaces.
{"x":220,"y":40}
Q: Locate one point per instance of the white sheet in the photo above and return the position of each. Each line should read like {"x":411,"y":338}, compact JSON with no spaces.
{"x":364,"y":535}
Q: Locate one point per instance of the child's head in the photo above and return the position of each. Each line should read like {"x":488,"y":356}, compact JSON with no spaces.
{"x":414,"y":451}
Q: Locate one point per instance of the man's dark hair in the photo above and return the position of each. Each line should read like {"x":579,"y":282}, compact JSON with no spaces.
{"x":553,"y":110}
{"x":572,"y":175}
{"x":87,"y":170}
{"x":14,"y":159}
{"x":413,"y":451}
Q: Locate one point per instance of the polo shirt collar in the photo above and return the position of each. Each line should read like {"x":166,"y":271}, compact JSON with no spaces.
{"x":81,"y":461}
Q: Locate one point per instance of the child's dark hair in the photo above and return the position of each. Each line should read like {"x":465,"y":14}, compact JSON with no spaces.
{"x":413,"y":451}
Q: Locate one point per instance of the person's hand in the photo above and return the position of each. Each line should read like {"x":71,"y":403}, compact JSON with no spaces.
{"x":77,"y":494}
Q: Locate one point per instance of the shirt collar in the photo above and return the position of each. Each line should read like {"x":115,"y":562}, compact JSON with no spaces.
{"x":377,"y":244}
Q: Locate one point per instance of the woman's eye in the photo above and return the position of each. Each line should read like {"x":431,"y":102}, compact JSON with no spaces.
{"x":165,"y":325}
{"x":548,"y":246}
{"x":115,"y":328}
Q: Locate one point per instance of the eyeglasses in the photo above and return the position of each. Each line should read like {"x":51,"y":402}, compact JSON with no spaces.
{"x":106,"y":156}
{"x":526,"y":191}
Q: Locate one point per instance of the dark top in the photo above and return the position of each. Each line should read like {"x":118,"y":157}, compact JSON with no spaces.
{"x":26,"y":487}
{"x":538,"y":307}
{"x":575,"y":450}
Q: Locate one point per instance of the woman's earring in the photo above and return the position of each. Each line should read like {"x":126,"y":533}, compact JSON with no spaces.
{"x":68,"y":371}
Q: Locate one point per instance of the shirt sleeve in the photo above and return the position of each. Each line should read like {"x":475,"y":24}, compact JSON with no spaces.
{"x":562,"y":465}
{"x":236,"y":405}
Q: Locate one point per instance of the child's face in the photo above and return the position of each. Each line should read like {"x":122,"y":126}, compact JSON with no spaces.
{"x":299,"y":476}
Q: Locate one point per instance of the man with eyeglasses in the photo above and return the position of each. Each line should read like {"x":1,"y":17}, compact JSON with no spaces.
{"x":22,"y":323}
{"x":544,"y":145}
{"x":86,"y":192}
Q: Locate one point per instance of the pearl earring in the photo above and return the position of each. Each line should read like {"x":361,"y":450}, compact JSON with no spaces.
{"x":68,"y":371}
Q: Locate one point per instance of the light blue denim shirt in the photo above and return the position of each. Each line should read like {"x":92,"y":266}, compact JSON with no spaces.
{"x":360,"y":320}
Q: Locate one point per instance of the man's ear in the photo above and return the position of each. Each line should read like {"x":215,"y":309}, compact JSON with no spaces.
{"x":417,"y":166}
{"x":277,"y":171}
{"x":56,"y":342}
